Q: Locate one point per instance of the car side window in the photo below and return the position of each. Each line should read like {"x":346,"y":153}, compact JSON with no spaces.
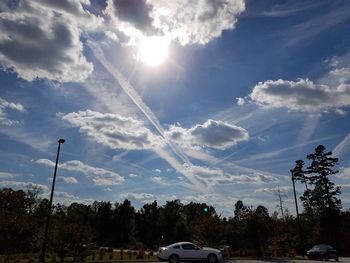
{"x":176,"y":247}
{"x":188,"y":246}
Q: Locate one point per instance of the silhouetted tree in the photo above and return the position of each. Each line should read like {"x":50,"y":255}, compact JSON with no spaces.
{"x":169,"y":215}
{"x":123,"y":227}
{"x":147,"y":224}
{"x":320,"y":199}
{"x":324,"y":194}
{"x":15,"y":227}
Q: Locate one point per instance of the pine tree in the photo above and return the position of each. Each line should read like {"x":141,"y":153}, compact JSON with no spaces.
{"x":298,"y":174}
{"x":324,"y":194}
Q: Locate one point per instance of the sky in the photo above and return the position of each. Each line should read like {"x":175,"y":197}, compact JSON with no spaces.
{"x":204,"y":101}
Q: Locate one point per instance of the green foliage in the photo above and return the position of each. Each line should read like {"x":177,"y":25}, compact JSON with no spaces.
{"x":77,"y":231}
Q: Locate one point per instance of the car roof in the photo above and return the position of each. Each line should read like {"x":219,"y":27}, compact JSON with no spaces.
{"x":322,"y":245}
{"x":180,"y":243}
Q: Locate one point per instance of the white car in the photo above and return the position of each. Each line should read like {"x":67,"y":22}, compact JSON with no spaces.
{"x":186,"y":251}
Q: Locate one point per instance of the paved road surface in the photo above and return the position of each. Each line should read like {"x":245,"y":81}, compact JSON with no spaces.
{"x":347,"y":260}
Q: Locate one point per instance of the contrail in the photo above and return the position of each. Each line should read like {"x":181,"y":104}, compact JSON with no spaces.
{"x":133,"y":95}
{"x":342,"y":146}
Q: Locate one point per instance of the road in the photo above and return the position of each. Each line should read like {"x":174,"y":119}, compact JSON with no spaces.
{"x":341,"y":259}
{"x":347,"y":260}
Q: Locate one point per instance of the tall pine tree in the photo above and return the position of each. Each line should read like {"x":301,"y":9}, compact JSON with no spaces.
{"x":324,"y":195}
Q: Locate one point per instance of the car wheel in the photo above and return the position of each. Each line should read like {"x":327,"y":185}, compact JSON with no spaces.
{"x":212,"y":258}
{"x":174,"y":259}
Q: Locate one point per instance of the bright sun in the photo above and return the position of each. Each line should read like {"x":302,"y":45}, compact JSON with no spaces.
{"x":153,"y":51}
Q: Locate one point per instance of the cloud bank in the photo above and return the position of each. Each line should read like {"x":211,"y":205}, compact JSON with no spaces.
{"x":331,"y":93}
{"x":213,"y":134}
{"x":4,"y":106}
{"x":114,"y":131}
{"x":41,"y":39}
{"x":190,"y":22}
{"x":302,"y":95}
{"x":100,"y":176}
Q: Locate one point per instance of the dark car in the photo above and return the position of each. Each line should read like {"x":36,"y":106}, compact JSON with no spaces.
{"x":322,"y":252}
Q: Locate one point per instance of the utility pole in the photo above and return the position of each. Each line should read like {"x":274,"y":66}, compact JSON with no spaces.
{"x":43,"y":250}
{"x":298,"y":218}
{"x":279,"y":196}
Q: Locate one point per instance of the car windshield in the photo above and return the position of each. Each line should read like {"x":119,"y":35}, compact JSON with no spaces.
{"x":321,"y":247}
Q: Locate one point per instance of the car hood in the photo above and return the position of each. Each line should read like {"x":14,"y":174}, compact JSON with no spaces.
{"x":211,"y":249}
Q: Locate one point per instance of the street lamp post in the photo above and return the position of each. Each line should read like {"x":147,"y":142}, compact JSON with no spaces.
{"x":43,"y":250}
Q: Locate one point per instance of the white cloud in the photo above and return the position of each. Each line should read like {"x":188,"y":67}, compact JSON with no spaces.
{"x":344,"y":173}
{"x":203,"y":172}
{"x":111,"y":35}
{"x":22,"y":185}
{"x":156,"y":179}
{"x":41,"y":39}
{"x":301,"y":95}
{"x":195,"y":21}
{"x":331,"y":92}
{"x":98,"y":175}
{"x":67,"y":199}
{"x":114,"y":131}
{"x":142,"y":197}
{"x":4,"y":106}
{"x":341,"y":74}
{"x":240,"y":101}
{"x":158,"y":170}
{"x":187,"y":21}
{"x":217,"y":176}
{"x":214,"y":134}
{"x":133,"y":175}
{"x":7,"y":175}
{"x":68,"y":179}
{"x":160,"y":180}
{"x":267,"y":190}
{"x":256,"y":178}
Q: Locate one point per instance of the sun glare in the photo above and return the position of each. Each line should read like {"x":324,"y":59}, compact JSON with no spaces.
{"x":153,"y":51}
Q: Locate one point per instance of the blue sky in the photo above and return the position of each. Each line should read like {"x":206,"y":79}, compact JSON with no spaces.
{"x":205,"y":101}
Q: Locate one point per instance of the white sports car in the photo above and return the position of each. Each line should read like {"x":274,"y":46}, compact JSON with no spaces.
{"x":186,"y":251}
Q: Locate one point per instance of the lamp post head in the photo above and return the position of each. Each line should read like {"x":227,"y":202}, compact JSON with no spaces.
{"x":61,"y":141}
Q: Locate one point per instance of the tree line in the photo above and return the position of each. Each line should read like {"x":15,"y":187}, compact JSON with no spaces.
{"x":249,"y":231}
